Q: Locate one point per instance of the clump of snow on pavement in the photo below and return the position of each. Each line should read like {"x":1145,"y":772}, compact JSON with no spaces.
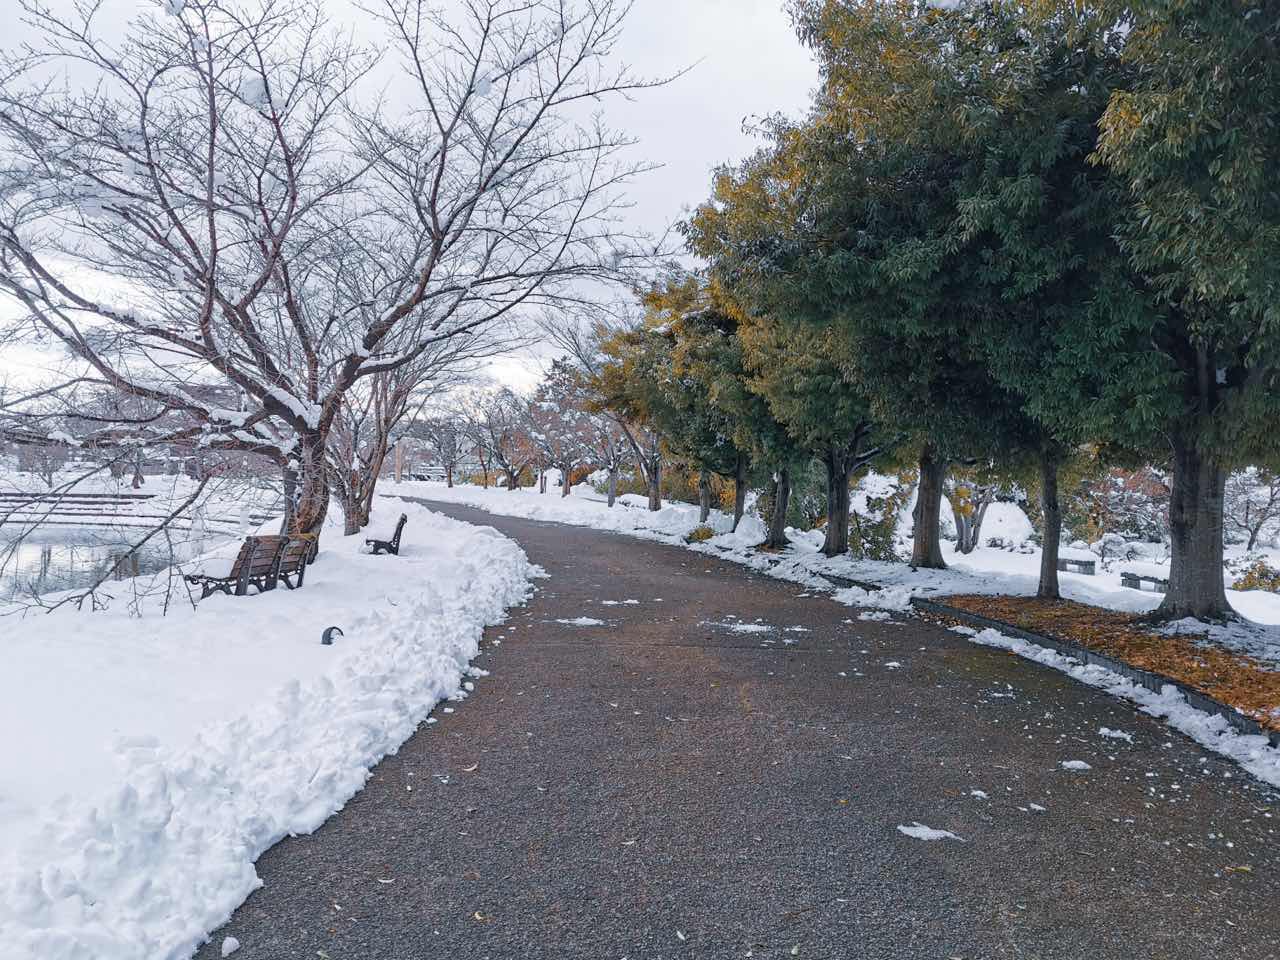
{"x":919,"y":831}
{"x":1110,"y":734}
{"x":1076,"y":765}
{"x":737,"y":626}
{"x":184,"y":746}
{"x":582,"y":622}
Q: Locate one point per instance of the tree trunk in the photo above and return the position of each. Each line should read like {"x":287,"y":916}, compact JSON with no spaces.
{"x":566,"y":474}
{"x":313,"y":488}
{"x":781,"y":503}
{"x":704,"y":496}
{"x":542,"y":482}
{"x":448,"y":476}
{"x":837,"y":541}
{"x":1051,"y":510}
{"x":739,"y":490}
{"x":350,"y":513}
{"x":927,"y":549}
{"x":969,"y":526}
{"x":1196,"y":587}
{"x":613,"y":485}
{"x":655,"y":485}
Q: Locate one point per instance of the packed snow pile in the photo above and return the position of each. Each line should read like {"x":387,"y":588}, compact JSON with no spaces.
{"x":161,"y":755}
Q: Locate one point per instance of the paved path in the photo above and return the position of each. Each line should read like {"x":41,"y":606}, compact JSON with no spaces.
{"x":667,"y":787}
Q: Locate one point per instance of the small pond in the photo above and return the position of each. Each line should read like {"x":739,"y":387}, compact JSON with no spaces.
{"x":56,"y":558}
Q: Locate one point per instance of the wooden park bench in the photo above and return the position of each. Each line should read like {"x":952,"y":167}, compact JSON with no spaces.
{"x":1078,"y":562}
{"x":392,"y":545}
{"x":262,"y":562}
{"x":1134,"y":581}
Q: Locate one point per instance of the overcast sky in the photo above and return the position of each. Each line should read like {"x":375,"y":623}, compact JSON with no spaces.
{"x":745,"y":62}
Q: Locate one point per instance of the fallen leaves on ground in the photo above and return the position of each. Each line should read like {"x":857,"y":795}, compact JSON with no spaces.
{"x":1231,"y":678}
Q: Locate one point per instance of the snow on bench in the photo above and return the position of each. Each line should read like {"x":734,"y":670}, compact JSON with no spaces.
{"x":1134,"y":574}
{"x":1073,"y":560}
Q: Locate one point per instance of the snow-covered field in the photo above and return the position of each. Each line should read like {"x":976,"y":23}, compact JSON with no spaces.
{"x":149,"y":760}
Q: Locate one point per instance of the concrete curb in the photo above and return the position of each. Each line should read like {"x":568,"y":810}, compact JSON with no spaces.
{"x":1154,"y":682}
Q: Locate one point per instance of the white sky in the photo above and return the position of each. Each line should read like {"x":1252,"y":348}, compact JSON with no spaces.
{"x":746,"y":62}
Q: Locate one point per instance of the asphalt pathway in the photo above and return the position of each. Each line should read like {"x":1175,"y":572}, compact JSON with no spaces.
{"x":720,"y":769}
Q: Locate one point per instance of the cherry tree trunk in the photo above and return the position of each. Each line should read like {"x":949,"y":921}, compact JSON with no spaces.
{"x":655,"y":485}
{"x":448,"y":476}
{"x":312,"y":488}
{"x":566,"y":477}
{"x":613,"y":485}
{"x":1196,"y":587}
{"x":927,"y":548}
{"x":1051,"y":511}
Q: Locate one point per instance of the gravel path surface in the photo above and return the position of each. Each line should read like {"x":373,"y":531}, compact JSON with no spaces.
{"x":681,"y":782}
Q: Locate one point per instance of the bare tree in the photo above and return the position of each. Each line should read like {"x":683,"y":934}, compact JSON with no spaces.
{"x":579,"y":333}
{"x":500,"y":431}
{"x":1251,"y":507}
{"x":196,"y":214}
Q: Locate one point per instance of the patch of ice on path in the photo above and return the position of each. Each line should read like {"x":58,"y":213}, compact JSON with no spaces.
{"x":582,"y":622}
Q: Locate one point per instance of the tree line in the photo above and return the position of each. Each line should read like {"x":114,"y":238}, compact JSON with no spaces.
{"x":1005,"y":232}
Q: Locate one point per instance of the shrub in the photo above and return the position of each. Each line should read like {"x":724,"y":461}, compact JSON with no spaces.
{"x":1259,"y":576}
{"x":700,"y":535}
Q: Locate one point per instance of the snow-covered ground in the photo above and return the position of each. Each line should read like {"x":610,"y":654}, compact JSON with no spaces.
{"x":149,"y":760}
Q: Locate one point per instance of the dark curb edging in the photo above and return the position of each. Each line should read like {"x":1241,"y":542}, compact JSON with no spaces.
{"x":1154,"y":682}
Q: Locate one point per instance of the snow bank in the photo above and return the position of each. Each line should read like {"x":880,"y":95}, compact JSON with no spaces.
{"x":186,"y":745}
{"x":1254,"y":753}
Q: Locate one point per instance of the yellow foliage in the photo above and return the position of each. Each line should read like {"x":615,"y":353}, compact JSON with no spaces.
{"x":700,"y":534}
{"x":1260,"y":576}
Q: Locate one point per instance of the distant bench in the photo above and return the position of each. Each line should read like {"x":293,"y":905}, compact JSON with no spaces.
{"x":263,"y":562}
{"x":1134,"y":581}
{"x":1077,"y":561}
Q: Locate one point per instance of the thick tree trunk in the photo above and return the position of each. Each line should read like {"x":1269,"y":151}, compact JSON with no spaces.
{"x":837,"y":540}
{"x":1051,"y":511}
{"x":1196,"y":587}
{"x":739,"y":490}
{"x":448,"y":476}
{"x":655,"y":485}
{"x":927,"y":549}
{"x":542,"y":481}
{"x":613,"y":486}
{"x":781,"y":503}
{"x":313,"y":488}
{"x":566,"y":476}
{"x":704,"y":496}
